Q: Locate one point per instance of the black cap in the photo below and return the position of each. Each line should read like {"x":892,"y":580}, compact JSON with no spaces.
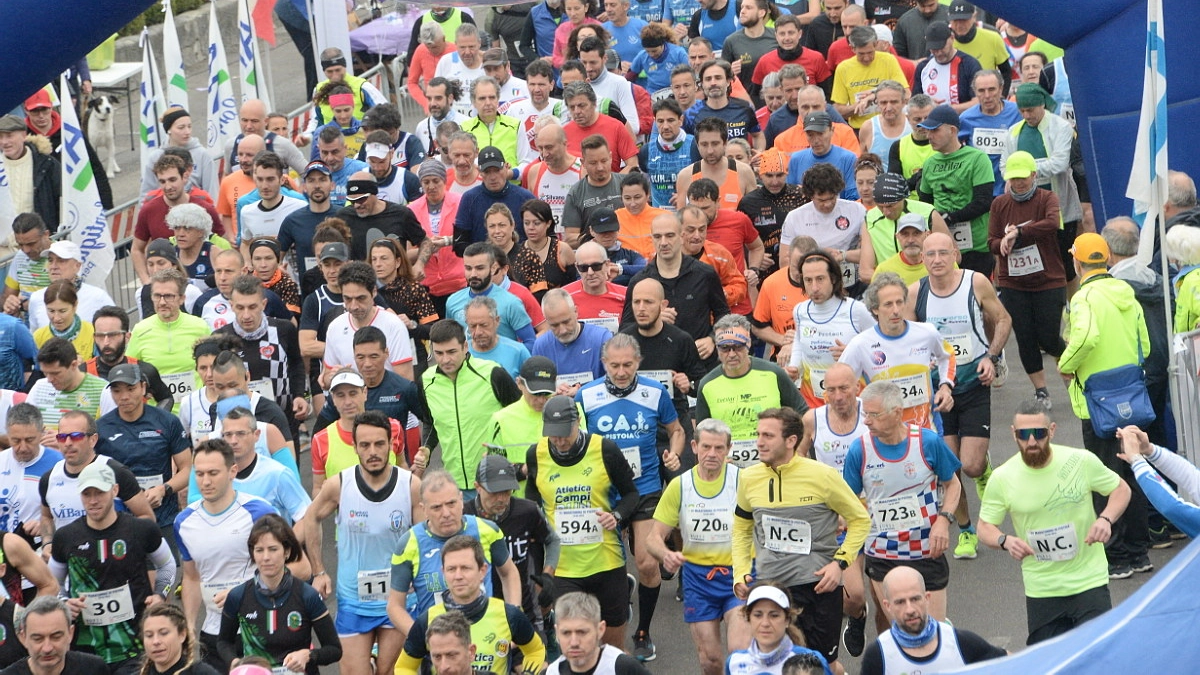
{"x":540,"y":375}
{"x":560,"y":417}
{"x":490,"y":157}
{"x":961,"y":10}
{"x":891,"y":188}
{"x":125,"y":373}
{"x":818,"y":121}
{"x":336,"y":250}
{"x":361,"y":189}
{"x":162,"y":248}
{"x":603,"y":220}
{"x":937,"y":34}
{"x":496,"y":474}
{"x":317,"y":165}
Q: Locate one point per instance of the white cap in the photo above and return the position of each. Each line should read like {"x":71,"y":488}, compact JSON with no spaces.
{"x":769,"y":593}
{"x":65,"y":249}
{"x":377,"y":150}
{"x":882,"y":32}
{"x":351,"y":378}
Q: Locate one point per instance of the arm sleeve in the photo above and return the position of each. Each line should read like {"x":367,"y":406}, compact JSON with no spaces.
{"x":414,"y":642}
{"x":1183,"y":515}
{"x":872,"y":661}
{"x":1084,"y":334}
{"x":527,"y":640}
{"x":229,"y":645}
{"x":550,"y":539}
{"x":1179,"y":471}
{"x":504,"y":387}
{"x":127,"y":485}
{"x":852,"y":467}
{"x":164,"y":566}
{"x":743,"y":536}
{"x":296,"y":376}
{"x":330,"y":650}
{"x":622,"y":479}
{"x":975,"y":649}
{"x":981,"y":203}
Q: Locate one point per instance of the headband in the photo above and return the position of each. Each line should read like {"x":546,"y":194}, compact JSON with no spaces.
{"x":269,"y":243}
{"x":336,"y":100}
{"x":338,"y":60}
{"x":171,"y":116}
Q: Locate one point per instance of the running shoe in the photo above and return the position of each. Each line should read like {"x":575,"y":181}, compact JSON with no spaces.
{"x":853,"y":636}
{"x":1160,"y":538}
{"x":1142,"y":564}
{"x":968,"y":543}
{"x":1119,"y":571}
{"x":981,"y":481}
{"x":643,"y":646}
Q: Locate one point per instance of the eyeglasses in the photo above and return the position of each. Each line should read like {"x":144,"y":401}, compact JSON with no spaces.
{"x":75,"y":436}
{"x":590,"y":267}
{"x":875,"y":415}
{"x":164,"y":297}
{"x":731,"y":348}
{"x":1039,"y":433}
{"x":109,"y":335}
{"x":235,"y":434}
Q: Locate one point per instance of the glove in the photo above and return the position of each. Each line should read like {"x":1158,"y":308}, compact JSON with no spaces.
{"x":549,"y":592}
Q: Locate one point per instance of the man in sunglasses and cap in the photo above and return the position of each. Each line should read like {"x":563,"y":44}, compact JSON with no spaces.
{"x":371,"y":218}
{"x":1060,"y":543}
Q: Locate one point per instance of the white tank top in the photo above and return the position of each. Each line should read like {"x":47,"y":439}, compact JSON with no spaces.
{"x":841,"y":228}
{"x":830,"y":447}
{"x":816,"y":334}
{"x":606,"y":666}
{"x":194,"y":414}
{"x":959,"y":319}
{"x":552,"y":188}
{"x":706,"y":521}
{"x":367,"y":534}
{"x":902,"y":497}
{"x":881,"y":143}
{"x":949,"y":655}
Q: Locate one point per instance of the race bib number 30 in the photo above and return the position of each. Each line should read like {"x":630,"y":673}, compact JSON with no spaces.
{"x":1054,"y":544}
{"x":578,"y":526}
{"x":105,"y":608}
{"x":786,"y":535}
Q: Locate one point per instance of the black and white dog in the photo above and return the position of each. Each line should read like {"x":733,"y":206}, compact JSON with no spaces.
{"x":100,"y":130}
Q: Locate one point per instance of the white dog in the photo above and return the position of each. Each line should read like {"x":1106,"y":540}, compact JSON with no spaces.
{"x":100,"y":130}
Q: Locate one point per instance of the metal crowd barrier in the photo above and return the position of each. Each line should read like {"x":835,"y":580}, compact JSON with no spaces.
{"x":1185,"y":373}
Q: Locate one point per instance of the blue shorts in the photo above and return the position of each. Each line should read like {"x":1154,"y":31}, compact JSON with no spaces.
{"x":348,"y":623}
{"x":707,"y":593}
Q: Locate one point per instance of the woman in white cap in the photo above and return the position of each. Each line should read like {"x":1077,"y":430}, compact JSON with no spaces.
{"x":775,"y":635}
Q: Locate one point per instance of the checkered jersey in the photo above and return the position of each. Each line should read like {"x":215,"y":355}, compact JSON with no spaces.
{"x":274,"y":360}
{"x":897,"y":491}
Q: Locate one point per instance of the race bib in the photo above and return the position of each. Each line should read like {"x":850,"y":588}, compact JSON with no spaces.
{"x":850,"y":273}
{"x":578,"y":526}
{"x":211,"y":589}
{"x":744,"y":453}
{"x":147,"y":482}
{"x":1025,"y":260}
{"x":633,"y":457}
{"x":574,"y":378}
{"x":960,"y":345}
{"x":1067,"y":112}
{"x":263,"y":388}
{"x":281,"y":670}
{"x":786,"y":535}
{"x":990,"y":141}
{"x":310,"y":262}
{"x":896,"y":514}
{"x":816,"y":379}
{"x":105,"y":608}
{"x":708,"y":526}
{"x":914,"y":389}
{"x":963,"y":238}
{"x":659,"y":95}
{"x":663,"y":377}
{"x":1054,"y":544}
{"x":180,"y":384}
{"x":373,"y":585}
{"x":612,"y":323}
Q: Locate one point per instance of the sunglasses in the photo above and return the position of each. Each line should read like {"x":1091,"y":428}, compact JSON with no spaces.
{"x":73,"y":436}
{"x":1039,"y":433}
{"x":590,"y":267}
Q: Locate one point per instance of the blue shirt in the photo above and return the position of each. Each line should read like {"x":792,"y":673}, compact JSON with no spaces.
{"x":544,"y":25}
{"x":632,"y":423}
{"x":581,"y":356}
{"x":515,"y":323}
{"x":510,"y":354}
{"x":271,"y":482}
{"x":648,"y":11}
{"x":663,"y":166}
{"x":337,"y":196}
{"x":298,"y":230}
{"x":147,"y":447}
{"x":655,"y":74}
{"x":937,"y":455}
{"x":838,"y":156}
{"x":627,"y":39}
{"x":396,"y":396}
{"x":739,"y":117}
{"x":16,"y":347}
{"x":974,"y":118}
{"x":716,"y":30}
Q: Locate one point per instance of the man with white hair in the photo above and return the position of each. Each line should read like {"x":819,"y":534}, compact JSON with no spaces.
{"x":488,"y":126}
{"x":64,"y":262}
{"x":528,"y":111}
{"x":465,"y":65}
{"x":433,"y":46}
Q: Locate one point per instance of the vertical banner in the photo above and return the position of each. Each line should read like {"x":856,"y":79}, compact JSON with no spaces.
{"x":151,"y":105}
{"x":250,"y":60}
{"x":330,"y":27}
{"x":1148,"y":176}
{"x":82,"y":214}
{"x":222,"y":108}
{"x":7,"y":211}
{"x":177,"y":91}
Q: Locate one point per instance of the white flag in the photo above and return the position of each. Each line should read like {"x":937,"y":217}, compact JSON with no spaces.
{"x":222,"y":108}
{"x":82,"y":214}
{"x":7,"y":211}
{"x":1148,"y":176}
{"x":249,"y":58}
{"x":329,"y":19}
{"x":152,"y":108}
{"x":177,"y":91}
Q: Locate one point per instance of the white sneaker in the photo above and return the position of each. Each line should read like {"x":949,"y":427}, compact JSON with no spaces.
{"x":1001,"y":372}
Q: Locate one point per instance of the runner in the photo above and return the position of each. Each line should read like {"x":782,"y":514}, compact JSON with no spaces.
{"x":580,"y":631}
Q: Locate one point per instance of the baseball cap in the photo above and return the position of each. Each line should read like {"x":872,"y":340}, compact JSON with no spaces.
{"x":495,"y":57}
{"x":943,"y":114}
{"x":1020,"y":164}
{"x":559,"y":417}
{"x":496,"y":474}
{"x":540,"y":375}
{"x":603,"y":220}
{"x":10,"y":123}
{"x":818,"y":121}
{"x":162,"y":248}
{"x":768,"y":593}
{"x":336,"y":250}
{"x":97,"y":475}
{"x":733,"y":335}
{"x":317,"y":165}
{"x":773,"y":161}
{"x":377,"y":150}
{"x":961,"y":10}
{"x":890,"y":188}
{"x":361,"y":189}
{"x":1090,"y":248}
{"x":491,"y":157}
{"x":937,"y":34}
{"x":125,"y":373}
{"x":882,"y":32}
{"x":913,"y":220}
{"x":67,"y":250}
{"x":39,"y":100}
{"x":612,"y":60}
{"x":350,"y":377}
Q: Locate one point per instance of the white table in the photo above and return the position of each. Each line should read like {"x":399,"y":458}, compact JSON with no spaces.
{"x":117,"y":78}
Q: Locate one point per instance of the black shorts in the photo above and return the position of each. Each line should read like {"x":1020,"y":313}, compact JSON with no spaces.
{"x":1049,"y":617}
{"x":646,"y":506}
{"x":1066,"y":240}
{"x":935,"y":571}
{"x":820,"y":618}
{"x":979,"y":261}
{"x":611,"y":588}
{"x":971,"y":414}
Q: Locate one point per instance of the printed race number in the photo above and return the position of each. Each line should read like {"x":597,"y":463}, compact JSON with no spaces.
{"x":578,"y":526}
{"x":105,"y":608}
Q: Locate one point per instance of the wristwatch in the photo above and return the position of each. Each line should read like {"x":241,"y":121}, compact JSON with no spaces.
{"x":947,"y":515}
{"x":842,"y":564}
{"x":995,"y":358}
{"x":168,"y":491}
{"x":1000,"y":542}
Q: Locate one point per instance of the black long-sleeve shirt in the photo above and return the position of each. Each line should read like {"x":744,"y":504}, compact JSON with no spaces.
{"x":614,"y":464}
{"x":695,"y":293}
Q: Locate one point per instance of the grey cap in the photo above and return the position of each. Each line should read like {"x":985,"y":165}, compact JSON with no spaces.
{"x":496,"y":474}
{"x":560,"y":417}
{"x":913,"y":220}
{"x":335,"y":249}
{"x":125,"y":373}
{"x":10,"y":123}
{"x":818,"y":121}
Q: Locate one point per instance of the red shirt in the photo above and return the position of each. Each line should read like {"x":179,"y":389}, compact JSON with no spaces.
{"x":607,"y":305}
{"x":814,"y":66}
{"x":152,"y":219}
{"x":733,"y":230}
{"x":620,"y":141}
{"x":532,"y":308}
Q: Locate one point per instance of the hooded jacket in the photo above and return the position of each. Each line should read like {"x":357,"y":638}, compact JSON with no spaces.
{"x":1147,"y":288}
{"x":1106,"y":327}
{"x":55,"y":136}
{"x":47,"y":181}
